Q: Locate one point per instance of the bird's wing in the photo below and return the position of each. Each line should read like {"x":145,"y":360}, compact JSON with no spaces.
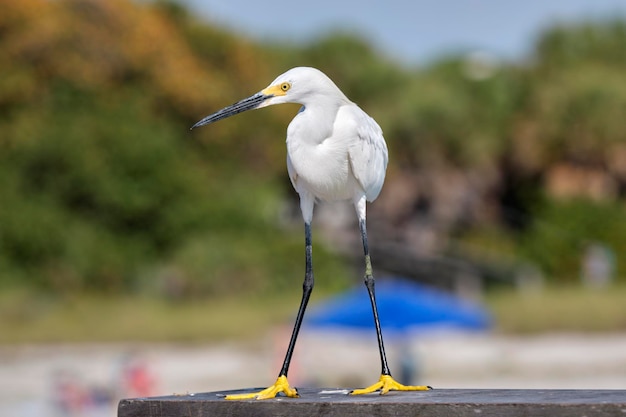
{"x":368,"y":153}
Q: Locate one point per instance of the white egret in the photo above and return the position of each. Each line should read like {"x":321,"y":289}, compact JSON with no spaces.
{"x":335,"y":151}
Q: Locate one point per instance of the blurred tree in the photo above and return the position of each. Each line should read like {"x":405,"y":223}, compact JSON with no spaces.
{"x":100,"y":182}
{"x":103,"y":188}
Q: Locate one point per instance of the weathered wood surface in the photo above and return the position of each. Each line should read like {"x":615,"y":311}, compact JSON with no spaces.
{"x":435,"y":403}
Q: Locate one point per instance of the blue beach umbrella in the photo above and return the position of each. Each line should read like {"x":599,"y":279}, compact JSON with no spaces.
{"x":403,"y":306}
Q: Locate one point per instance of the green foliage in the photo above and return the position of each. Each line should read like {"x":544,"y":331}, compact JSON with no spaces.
{"x":103,"y":187}
{"x":95,"y":189}
{"x":444,"y":113}
{"x":567,"y":45}
{"x":561,"y":231}
{"x":98,"y":194}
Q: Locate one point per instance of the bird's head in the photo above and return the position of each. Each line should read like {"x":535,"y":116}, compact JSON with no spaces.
{"x":303,"y":85}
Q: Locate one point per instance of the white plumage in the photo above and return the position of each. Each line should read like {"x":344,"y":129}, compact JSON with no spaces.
{"x":335,"y":151}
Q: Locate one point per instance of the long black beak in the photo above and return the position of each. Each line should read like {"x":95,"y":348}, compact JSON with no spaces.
{"x":249,"y":103}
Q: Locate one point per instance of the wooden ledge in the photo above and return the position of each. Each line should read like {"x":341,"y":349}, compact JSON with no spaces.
{"x":435,"y":403}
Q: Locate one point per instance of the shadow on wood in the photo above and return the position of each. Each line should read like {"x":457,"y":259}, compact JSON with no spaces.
{"x":435,"y":403}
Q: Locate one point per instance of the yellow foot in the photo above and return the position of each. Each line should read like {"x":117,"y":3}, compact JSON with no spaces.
{"x":281,"y":385}
{"x":386,"y":383}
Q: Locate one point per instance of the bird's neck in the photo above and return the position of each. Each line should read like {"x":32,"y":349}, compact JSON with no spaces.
{"x":317,"y":119}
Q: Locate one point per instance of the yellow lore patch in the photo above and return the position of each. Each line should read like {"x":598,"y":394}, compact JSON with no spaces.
{"x":277,"y":90}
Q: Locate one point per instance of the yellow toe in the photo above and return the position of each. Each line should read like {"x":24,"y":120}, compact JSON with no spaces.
{"x":281,"y":385}
{"x":386,"y":383}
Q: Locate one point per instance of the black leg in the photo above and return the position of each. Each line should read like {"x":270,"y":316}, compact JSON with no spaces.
{"x":281,"y":384}
{"x":369,"y":283}
{"x":386,"y":383}
{"x":307,"y":288}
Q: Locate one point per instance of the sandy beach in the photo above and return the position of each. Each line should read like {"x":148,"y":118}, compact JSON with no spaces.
{"x":33,"y":377}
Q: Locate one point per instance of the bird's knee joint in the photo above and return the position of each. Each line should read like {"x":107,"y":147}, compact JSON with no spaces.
{"x":368,"y":267}
{"x":369,"y":281}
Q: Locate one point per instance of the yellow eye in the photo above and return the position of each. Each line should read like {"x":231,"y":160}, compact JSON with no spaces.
{"x":285,"y":86}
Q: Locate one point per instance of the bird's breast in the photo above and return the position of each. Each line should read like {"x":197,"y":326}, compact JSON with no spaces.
{"x":323,"y":169}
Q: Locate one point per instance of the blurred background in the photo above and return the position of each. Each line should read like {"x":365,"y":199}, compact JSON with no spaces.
{"x":137,"y":258}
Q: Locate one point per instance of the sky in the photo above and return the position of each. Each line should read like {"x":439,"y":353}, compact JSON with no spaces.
{"x":412,"y":32}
